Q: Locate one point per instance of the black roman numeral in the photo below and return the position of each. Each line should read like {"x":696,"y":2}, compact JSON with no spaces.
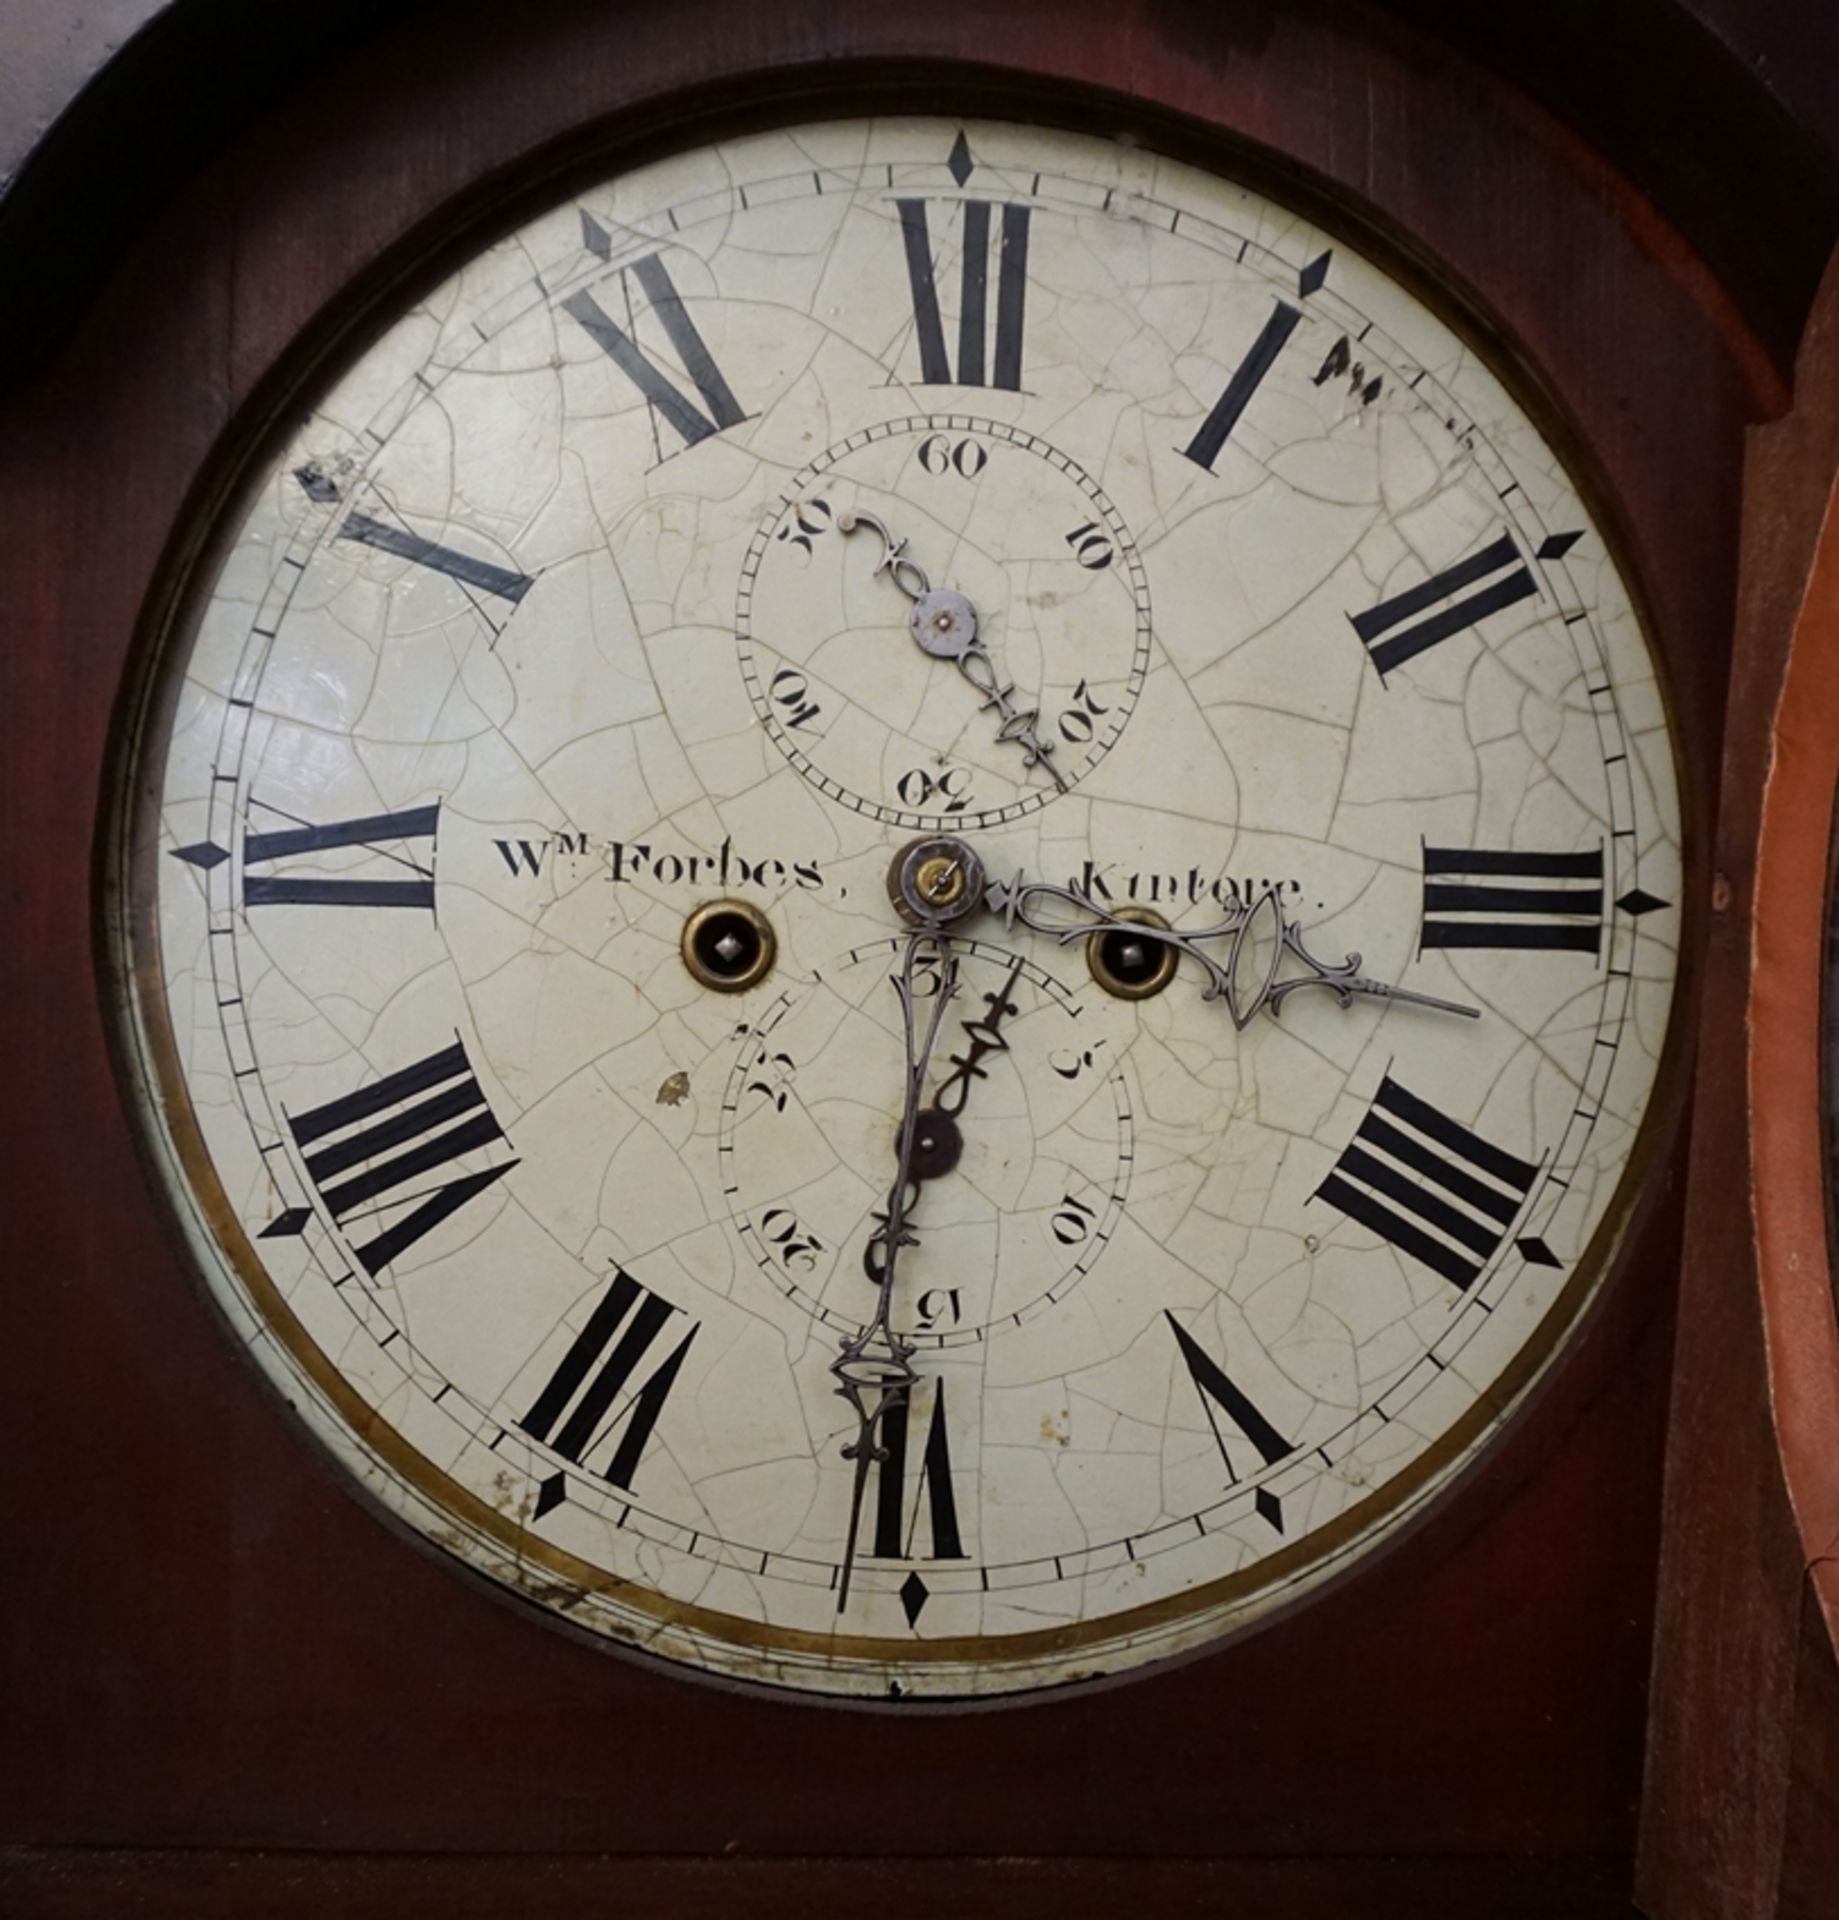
{"x":1217,"y":428}
{"x":365,"y":1146}
{"x":1380,"y":1181}
{"x":1005,"y":359}
{"x":1218,"y":1391}
{"x":719,"y":408}
{"x":1553,"y":901}
{"x":1514,"y":583}
{"x":935,"y":1496}
{"x":463,"y":567}
{"x":576,"y":1411}
{"x":376,"y":831}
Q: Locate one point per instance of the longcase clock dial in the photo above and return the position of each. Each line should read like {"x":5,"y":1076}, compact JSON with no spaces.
{"x":911,"y":902}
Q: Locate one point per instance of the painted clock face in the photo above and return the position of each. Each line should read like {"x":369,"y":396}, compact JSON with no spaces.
{"x":567,"y":1116}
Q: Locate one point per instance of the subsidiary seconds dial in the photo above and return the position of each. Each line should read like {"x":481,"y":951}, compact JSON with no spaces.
{"x":989,"y":511}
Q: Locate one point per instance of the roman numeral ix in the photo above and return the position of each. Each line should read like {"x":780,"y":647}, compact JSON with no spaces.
{"x":691,"y":422}
{"x":1481,"y":897}
{"x":1003,"y":365}
{"x":581,"y":1406}
{"x":1431,"y":1186}
{"x":360,"y":1150}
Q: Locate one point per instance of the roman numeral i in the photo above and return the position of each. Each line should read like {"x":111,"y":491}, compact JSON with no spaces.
{"x":411,"y":886}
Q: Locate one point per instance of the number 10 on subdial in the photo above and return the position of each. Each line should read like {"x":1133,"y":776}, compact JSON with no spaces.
{"x":1025,"y":1146}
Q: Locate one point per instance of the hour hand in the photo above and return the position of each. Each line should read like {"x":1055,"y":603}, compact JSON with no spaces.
{"x":943,"y":623}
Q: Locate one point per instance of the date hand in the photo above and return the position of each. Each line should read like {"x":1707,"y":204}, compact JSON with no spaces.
{"x":875,"y":1365}
{"x":1249,"y":985}
{"x":944,"y":624}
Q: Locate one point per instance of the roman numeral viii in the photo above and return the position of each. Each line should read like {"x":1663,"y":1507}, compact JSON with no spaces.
{"x":1392,"y":632}
{"x":383,"y":833}
{"x":361,"y":1149}
{"x":1003,"y":365}
{"x":1431,"y":1186}
{"x":691,"y":422}
{"x":1478,"y":897}
{"x":581,"y":1405}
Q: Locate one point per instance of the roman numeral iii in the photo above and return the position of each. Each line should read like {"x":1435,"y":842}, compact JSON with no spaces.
{"x":690,"y":421}
{"x":1431,"y":1186}
{"x":1001,"y":366}
{"x":1394,"y":634}
{"x":581,"y":1407}
{"x":361,"y":1149}
{"x":1481,"y":897}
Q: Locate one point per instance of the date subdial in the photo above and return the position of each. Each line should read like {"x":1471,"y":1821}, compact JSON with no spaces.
{"x":1025,"y":1143}
{"x":1001,"y":517}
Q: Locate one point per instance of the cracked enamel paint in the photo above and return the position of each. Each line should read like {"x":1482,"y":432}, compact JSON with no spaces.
{"x":540,"y":632}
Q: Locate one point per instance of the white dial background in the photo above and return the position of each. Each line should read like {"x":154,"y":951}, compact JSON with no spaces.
{"x":553,"y":1245}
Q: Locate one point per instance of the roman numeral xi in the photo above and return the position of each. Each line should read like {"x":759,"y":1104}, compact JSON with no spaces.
{"x":408,"y":1130}
{"x":1434,"y":1188}
{"x":715,"y":407}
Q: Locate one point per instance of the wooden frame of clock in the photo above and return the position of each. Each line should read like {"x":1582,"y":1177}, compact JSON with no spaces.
{"x":216,"y":1648}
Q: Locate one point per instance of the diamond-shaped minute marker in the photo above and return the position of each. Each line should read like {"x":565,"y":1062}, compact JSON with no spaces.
{"x":550,"y":1494}
{"x":595,"y":237}
{"x":1313,"y":275}
{"x":959,"y":162}
{"x":1636,"y":902}
{"x":1556,"y":545}
{"x":1536,"y":1253}
{"x":1270,"y":1508}
{"x":206,"y":854}
{"x":914,"y":1593}
{"x":318,"y":486}
{"x":285,"y":1225}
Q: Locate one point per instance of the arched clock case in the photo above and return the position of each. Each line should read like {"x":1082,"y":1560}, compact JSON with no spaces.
{"x":1438,"y":1697}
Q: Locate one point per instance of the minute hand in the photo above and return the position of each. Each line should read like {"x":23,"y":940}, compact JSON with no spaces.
{"x":1247,"y":985}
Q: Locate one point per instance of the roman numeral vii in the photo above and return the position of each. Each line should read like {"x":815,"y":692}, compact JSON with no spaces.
{"x":581,"y":1406}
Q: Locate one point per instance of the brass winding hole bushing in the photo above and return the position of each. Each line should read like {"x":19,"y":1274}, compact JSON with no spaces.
{"x":729,"y":945}
{"x":1128,"y":966}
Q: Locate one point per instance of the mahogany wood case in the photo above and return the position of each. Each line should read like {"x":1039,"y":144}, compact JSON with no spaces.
{"x":216,"y":1655}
